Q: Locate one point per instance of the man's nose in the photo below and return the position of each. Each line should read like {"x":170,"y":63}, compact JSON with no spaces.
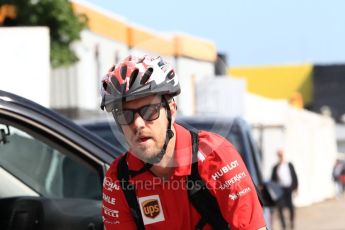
{"x":138,"y":121}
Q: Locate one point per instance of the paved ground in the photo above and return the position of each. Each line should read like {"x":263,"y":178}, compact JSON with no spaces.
{"x":327,"y":215}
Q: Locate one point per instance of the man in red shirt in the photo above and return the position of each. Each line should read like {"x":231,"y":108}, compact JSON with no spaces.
{"x":139,"y":92}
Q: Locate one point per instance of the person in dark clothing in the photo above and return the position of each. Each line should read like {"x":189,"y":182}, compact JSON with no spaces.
{"x":284,"y":173}
{"x":338,"y":175}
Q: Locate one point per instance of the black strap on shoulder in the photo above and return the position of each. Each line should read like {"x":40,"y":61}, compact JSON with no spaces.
{"x":134,"y":173}
{"x":129,"y":191}
{"x":200,"y":197}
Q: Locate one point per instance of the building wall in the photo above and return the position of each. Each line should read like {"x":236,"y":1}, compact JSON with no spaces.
{"x":81,"y":82}
{"x":220,"y":96}
{"x":24,"y":62}
{"x":194,"y":61}
{"x":108,"y":39}
{"x":114,"y":38}
{"x":190,"y":71}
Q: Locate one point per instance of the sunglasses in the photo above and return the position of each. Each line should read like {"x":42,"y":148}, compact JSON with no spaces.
{"x":147,"y":112}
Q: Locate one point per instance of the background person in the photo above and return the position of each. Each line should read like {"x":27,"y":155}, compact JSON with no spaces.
{"x":284,"y":173}
{"x":139,"y":93}
{"x":338,"y":175}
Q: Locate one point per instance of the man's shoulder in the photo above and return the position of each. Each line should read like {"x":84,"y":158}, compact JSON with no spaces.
{"x":214,"y":144}
{"x":112,"y":171}
{"x":212,"y":139}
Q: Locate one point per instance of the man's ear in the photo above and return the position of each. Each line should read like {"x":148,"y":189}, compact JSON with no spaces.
{"x":173,"y":110}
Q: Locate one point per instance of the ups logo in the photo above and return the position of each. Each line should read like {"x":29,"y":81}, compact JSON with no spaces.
{"x":151,"y":208}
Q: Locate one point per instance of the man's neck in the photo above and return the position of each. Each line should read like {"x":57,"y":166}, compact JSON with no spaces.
{"x":165,"y":167}
{"x":283,"y":162}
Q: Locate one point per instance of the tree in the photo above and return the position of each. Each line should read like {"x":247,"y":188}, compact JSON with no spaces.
{"x":64,"y":25}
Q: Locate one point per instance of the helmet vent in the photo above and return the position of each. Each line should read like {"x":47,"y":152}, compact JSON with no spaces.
{"x":133,"y":77}
{"x":123,"y":72}
{"x":146,"y":76}
{"x":141,"y":60}
{"x":171,"y":75}
{"x":116,"y":83}
{"x":105,"y":85}
{"x":161,"y":63}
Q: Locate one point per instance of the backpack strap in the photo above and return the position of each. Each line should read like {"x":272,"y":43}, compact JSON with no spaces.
{"x":129,"y":191}
{"x":200,"y":197}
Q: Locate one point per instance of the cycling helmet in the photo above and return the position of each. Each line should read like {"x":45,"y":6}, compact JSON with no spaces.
{"x":137,"y":77}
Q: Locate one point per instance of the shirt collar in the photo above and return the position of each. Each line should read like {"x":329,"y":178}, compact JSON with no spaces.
{"x":182,"y":155}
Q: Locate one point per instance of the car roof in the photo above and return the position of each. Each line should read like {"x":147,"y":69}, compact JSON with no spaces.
{"x":28,"y":108}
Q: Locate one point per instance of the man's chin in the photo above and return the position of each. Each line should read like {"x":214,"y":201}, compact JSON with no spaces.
{"x":148,"y":157}
{"x":154,"y":160}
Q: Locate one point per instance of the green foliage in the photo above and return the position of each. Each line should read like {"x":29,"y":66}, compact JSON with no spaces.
{"x":65,"y":26}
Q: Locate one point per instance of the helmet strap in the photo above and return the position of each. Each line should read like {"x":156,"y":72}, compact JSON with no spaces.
{"x":169,"y":134}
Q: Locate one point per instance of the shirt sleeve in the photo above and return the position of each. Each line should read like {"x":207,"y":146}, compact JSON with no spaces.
{"x":225,"y":174}
{"x":115,"y":210}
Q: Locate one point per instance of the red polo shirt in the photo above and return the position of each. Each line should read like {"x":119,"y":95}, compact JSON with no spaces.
{"x":165,"y":204}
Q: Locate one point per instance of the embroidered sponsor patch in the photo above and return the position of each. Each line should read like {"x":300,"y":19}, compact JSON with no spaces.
{"x":108,"y":199}
{"x":109,"y":221}
{"x":225,"y":169}
{"x":111,"y":212}
{"x":227,"y":184}
{"x":235,"y":196}
{"x":109,"y":185}
{"x":151,"y":209}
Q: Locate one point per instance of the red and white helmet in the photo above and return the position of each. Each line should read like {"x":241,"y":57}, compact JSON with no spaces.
{"x":137,"y":77}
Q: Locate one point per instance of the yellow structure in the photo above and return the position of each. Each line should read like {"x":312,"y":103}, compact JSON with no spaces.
{"x":280,"y":82}
{"x":102,"y":24}
{"x":140,"y":38}
{"x":196,"y":48}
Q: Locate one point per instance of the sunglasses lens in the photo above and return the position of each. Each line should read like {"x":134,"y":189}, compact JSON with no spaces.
{"x":150,"y":112}
{"x":124,"y":117}
{"x":147,"y":112}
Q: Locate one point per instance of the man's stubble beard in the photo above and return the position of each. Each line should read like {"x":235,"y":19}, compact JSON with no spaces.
{"x":148,"y":154}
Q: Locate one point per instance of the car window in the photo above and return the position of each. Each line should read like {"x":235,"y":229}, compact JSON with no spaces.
{"x":48,"y":171}
{"x":109,"y":132}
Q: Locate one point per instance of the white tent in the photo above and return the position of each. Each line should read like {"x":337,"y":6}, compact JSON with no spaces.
{"x":308,"y":139}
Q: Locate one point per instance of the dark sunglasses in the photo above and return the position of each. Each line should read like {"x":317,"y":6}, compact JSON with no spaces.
{"x":146,"y":112}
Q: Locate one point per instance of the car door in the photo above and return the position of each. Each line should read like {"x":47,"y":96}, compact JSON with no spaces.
{"x":46,"y":167}
{"x":51,"y":171}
